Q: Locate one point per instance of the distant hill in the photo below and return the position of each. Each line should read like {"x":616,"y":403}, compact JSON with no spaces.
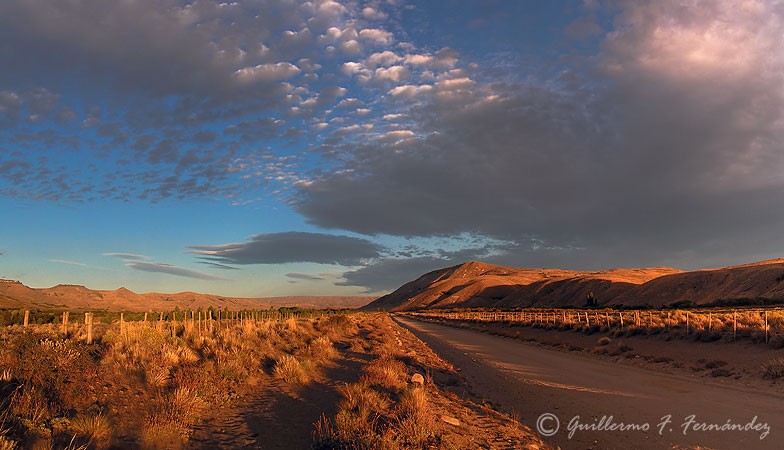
{"x":14,"y":294}
{"x":476,"y":284}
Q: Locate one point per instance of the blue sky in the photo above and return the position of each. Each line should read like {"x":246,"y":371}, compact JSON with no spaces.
{"x":328,"y":147}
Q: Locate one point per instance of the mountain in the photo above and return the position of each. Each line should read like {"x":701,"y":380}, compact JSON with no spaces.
{"x":14,"y":294}
{"x":760,"y":280}
{"x":477,"y":284}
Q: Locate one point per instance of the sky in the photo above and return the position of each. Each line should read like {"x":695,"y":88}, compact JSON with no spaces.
{"x":277,"y":147}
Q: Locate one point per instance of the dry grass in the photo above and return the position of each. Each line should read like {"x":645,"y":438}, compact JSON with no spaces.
{"x":161,"y":378}
{"x":321,"y":348}
{"x":93,"y":431}
{"x":774,"y":368}
{"x":386,"y":372}
{"x":381,"y":410}
{"x":289,"y":369}
{"x":703,"y":324}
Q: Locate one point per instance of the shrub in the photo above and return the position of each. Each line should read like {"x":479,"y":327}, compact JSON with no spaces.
{"x":774,"y":368}
{"x":93,"y":431}
{"x":289,"y":369}
{"x":386,"y":372}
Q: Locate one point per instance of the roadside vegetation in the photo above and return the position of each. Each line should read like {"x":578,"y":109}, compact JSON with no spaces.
{"x":153,"y":384}
{"x":145,"y":383}
{"x":703,"y":324}
{"x":761,"y":328}
{"x":402,"y":401}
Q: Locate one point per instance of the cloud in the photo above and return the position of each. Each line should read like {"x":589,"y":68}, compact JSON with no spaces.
{"x":218,"y":266}
{"x":376,"y":36}
{"x":384,"y":59}
{"x":373,"y":14}
{"x":292,"y":247}
{"x":156,"y":267}
{"x":304,"y":276}
{"x":267,"y":72}
{"x":69,"y":263}
{"x":191,"y":70}
{"x":665,"y":149}
{"x":76,"y":264}
{"x":390,"y":274}
{"x":409,"y":91}
{"x":125,"y":255}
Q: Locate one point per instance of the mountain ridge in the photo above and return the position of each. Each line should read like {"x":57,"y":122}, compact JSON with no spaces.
{"x":478,"y":284}
{"x":14,"y":294}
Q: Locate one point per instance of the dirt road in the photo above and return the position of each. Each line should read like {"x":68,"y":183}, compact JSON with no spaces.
{"x":605,"y":405}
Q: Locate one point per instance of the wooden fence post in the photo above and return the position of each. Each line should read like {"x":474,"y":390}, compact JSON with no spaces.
{"x":766,"y":326}
{"x":26,"y":318}
{"x":88,"y":318}
{"x":734,"y":324}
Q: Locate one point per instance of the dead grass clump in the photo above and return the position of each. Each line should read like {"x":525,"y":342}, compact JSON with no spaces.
{"x":414,"y":402}
{"x":386,"y":372}
{"x":321,"y":348}
{"x":163,"y":432}
{"x":291,"y":324}
{"x":413,"y":431}
{"x":7,"y":444}
{"x":777,"y":341}
{"x":289,"y":369}
{"x":93,"y":431}
{"x":362,"y":400}
{"x":157,"y":375}
{"x":774,"y":368}
{"x":603,"y":341}
{"x":171,"y":425}
{"x":186,"y":405}
{"x":337,"y":325}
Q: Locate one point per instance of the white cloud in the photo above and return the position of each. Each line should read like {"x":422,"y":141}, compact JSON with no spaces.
{"x":394,"y":116}
{"x":351,"y":68}
{"x":455,"y":83}
{"x":418,"y":59}
{"x":351,"y":47}
{"x":376,"y":36}
{"x":266,"y":72}
{"x":394,"y":73}
{"x":373,"y":14}
{"x":395,"y":136}
{"x":409,"y":90}
{"x":444,"y":58}
{"x":385,"y":59}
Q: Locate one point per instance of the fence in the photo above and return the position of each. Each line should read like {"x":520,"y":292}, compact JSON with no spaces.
{"x":188,"y":320}
{"x":752,"y":322}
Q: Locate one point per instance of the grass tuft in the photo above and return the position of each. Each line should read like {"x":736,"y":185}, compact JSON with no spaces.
{"x":774,"y":368}
{"x":94,"y":431}
{"x":289,"y":369}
